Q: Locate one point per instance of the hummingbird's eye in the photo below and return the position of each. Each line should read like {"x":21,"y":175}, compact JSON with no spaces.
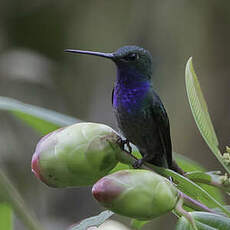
{"x":131,"y":57}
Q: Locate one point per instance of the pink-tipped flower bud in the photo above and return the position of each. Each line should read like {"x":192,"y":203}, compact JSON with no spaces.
{"x":77,"y":155}
{"x":140,"y":194}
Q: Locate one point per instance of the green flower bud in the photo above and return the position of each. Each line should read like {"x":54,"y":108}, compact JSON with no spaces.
{"x":77,"y":155}
{"x":136,"y":193}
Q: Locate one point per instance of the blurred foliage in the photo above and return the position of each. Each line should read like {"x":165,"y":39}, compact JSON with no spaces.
{"x":92,"y":221}
{"x":6,"y":221}
{"x":41,"y":119}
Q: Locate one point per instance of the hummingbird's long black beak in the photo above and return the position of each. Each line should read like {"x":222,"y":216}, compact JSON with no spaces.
{"x":100,"y":54}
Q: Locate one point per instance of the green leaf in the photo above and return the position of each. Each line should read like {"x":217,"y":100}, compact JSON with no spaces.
{"x":41,"y":119}
{"x":92,"y":221}
{"x":191,"y":189}
{"x":205,"y":221}
{"x":186,"y":163}
{"x":213,"y":178}
{"x":119,"y":166}
{"x":218,"y":211}
{"x":138,"y":224}
{"x":200,"y":111}
{"x":9,"y":194}
{"x":193,"y":167}
{"x":6,"y":215}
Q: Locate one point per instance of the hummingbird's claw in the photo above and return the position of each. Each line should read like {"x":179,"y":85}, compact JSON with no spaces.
{"x":122,"y":144}
{"x":138,"y":163}
{"x":128,"y":146}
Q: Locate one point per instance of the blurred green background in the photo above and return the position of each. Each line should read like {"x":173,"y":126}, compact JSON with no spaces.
{"x":35,"y":70}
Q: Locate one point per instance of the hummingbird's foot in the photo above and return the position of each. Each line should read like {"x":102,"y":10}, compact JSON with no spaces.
{"x":138,"y":163}
{"x":122,"y":144}
{"x":128,"y":146}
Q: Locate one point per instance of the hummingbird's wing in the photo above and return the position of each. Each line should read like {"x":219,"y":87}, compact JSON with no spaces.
{"x":112,"y":96}
{"x":161,"y":118}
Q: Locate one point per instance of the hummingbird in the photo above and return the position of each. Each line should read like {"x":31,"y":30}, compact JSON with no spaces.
{"x":139,"y":111}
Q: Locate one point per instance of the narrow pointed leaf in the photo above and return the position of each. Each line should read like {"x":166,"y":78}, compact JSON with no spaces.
{"x":6,"y":215}
{"x":138,"y":224}
{"x":193,"y":167}
{"x":9,"y":194}
{"x":186,"y":163}
{"x":205,"y":221}
{"x":41,"y":119}
{"x":92,"y":221}
{"x":192,"y":189}
{"x":213,"y":178}
{"x":218,"y":211}
{"x":200,"y":111}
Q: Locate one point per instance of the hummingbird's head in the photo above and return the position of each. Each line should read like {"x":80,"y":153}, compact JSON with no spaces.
{"x":134,"y":58}
{"x":127,"y":58}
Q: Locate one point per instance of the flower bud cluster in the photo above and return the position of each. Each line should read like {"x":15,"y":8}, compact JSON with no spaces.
{"x":84,"y":153}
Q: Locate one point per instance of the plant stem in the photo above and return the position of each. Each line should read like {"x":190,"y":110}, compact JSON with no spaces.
{"x":11,"y":195}
{"x":179,"y":209}
{"x":194,"y":204}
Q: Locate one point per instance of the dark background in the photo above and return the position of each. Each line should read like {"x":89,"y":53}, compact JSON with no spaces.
{"x":35,"y":70}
